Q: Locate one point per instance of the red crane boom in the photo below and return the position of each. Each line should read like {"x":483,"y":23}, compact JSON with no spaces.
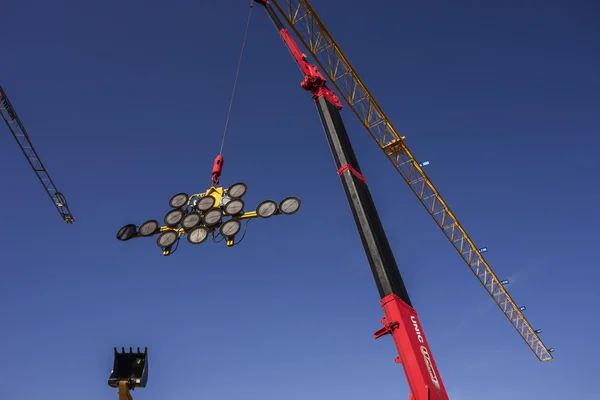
{"x":400,"y":319}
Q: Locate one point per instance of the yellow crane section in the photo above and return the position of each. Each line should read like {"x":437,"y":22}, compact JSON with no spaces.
{"x":312,"y":32}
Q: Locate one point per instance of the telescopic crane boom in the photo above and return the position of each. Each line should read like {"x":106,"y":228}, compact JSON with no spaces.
{"x":20,"y":134}
{"x":306,"y":24}
{"x":400,"y":319}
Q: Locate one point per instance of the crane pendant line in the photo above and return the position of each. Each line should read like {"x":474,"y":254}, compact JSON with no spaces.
{"x":20,"y":134}
{"x":218,"y":163}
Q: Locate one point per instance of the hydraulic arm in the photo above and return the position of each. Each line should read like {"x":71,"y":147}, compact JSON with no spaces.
{"x":20,"y":134}
{"x":400,"y":319}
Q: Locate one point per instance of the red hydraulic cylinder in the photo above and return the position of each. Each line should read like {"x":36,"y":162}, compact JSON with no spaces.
{"x":402,"y":322}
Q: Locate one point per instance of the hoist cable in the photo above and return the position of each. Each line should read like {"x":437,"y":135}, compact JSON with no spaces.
{"x":237,"y":73}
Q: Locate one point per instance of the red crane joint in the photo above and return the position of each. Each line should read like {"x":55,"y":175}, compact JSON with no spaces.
{"x":313,"y":81}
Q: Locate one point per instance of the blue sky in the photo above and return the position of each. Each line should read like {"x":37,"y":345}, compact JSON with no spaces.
{"x":126,"y":102}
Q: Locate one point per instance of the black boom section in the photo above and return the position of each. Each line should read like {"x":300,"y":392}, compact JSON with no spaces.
{"x":379,"y":253}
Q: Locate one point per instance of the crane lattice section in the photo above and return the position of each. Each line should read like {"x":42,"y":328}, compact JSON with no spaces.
{"x":20,"y":134}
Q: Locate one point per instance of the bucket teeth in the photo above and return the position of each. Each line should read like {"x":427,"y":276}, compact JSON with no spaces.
{"x":131,"y":367}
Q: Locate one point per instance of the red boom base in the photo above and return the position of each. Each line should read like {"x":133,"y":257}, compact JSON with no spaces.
{"x":402,"y":323}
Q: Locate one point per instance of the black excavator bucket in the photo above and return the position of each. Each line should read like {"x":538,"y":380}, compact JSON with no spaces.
{"x":131,"y":367}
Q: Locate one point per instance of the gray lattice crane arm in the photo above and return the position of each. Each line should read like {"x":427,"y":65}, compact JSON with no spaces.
{"x":20,"y":134}
{"x":303,"y":20}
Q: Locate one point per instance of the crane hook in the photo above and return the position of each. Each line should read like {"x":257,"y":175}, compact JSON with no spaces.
{"x":217,"y":169}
